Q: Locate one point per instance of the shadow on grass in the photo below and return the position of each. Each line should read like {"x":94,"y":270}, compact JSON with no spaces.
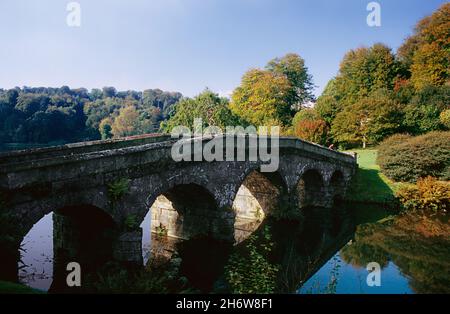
{"x":368,"y":186}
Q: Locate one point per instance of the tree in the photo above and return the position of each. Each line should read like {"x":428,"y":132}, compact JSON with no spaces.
{"x":312,"y":130}
{"x":422,"y":113}
{"x":126,"y":122}
{"x":329,"y":104}
{"x":427,"y":52}
{"x":262,"y":98}
{"x":105,"y":128}
{"x":367,"y":121}
{"x":293,"y":67}
{"x":208,"y":106}
{"x":445,"y":118}
{"x":364,"y":71}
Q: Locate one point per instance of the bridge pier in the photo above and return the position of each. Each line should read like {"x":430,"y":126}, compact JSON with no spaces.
{"x":128,"y":247}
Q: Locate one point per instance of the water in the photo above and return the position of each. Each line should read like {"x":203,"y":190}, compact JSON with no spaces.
{"x":36,"y":265}
{"x":314,"y":258}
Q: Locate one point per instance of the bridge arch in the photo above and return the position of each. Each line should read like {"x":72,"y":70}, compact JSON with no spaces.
{"x":81,"y":233}
{"x":189,"y":210}
{"x":258,"y":195}
{"x":337,"y":185}
{"x":311,"y":189}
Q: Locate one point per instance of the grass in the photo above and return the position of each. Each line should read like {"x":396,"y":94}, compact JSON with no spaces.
{"x":369,"y":184}
{"x":15,"y":288}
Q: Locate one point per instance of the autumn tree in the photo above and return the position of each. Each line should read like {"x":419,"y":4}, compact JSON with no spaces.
{"x":262,"y":98}
{"x":126,"y":123}
{"x":427,"y":52}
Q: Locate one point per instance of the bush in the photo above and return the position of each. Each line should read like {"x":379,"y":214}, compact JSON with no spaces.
{"x":428,"y":194}
{"x":407,"y":159}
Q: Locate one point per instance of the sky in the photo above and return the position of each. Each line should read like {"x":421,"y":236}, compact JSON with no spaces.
{"x":187,"y":45}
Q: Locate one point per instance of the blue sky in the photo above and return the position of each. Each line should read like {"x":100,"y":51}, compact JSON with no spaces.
{"x":187,"y":45}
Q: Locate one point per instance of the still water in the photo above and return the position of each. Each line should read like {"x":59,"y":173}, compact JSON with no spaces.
{"x":413,"y":253}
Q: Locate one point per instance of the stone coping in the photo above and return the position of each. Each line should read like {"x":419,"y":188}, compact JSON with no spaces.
{"x":44,"y":157}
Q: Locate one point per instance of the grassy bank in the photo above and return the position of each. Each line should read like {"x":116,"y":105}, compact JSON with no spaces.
{"x":369,"y":184}
{"x":15,"y":288}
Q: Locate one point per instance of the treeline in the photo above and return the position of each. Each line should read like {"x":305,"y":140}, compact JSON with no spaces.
{"x":375,"y":94}
{"x":378,"y":93}
{"x":42,"y":115}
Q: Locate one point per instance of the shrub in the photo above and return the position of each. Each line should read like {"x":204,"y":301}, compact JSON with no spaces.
{"x":118,"y":188}
{"x":408,"y":159}
{"x":253,"y":272}
{"x":445,"y":118}
{"x":393,"y":140}
{"x":428,"y":194}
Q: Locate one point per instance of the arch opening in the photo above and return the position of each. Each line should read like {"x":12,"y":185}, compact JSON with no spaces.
{"x":258,"y":197}
{"x":337,"y":184}
{"x":82,"y":234}
{"x":311,"y":189}
{"x":183,"y":212}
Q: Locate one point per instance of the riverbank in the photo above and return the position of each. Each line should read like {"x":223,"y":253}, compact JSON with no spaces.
{"x":15,"y":288}
{"x":369,"y":185}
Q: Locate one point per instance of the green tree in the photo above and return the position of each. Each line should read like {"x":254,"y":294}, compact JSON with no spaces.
{"x":262,"y":98}
{"x":105,"y":128}
{"x":294,"y":68}
{"x":208,"y":106}
{"x":368,"y":121}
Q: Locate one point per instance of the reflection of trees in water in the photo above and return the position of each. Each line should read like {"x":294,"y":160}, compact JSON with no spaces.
{"x":418,"y":245}
{"x":277,"y":256}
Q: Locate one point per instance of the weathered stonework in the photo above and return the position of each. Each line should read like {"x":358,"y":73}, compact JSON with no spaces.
{"x":202,"y":194}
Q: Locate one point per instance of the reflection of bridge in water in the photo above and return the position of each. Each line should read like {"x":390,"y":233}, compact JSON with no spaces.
{"x":103,"y":190}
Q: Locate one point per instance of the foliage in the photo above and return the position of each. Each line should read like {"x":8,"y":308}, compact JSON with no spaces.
{"x":422,"y":113}
{"x":328,"y":104}
{"x":252,"y":272}
{"x":118,"y":188}
{"x":131,"y":221}
{"x":308,"y":125}
{"x":369,"y":120}
{"x":306,"y":114}
{"x":363,"y":71}
{"x":417,"y":244}
{"x":293,"y":67}
{"x":43,"y":115}
{"x":161,"y":231}
{"x":444,"y":117}
{"x":428,"y":194}
{"x":126,"y":122}
{"x":114,"y":278}
{"x":208,"y":106}
{"x":414,"y":83}
{"x":312,"y":130}
{"x":427,"y":52}
{"x":261,"y":99}
{"x":421,"y":156}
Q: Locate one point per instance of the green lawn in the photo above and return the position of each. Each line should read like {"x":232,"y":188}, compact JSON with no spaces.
{"x":14,"y":288}
{"x":369,"y":184}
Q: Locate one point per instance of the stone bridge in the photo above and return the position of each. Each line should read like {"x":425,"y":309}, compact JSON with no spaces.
{"x":118,"y":181}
